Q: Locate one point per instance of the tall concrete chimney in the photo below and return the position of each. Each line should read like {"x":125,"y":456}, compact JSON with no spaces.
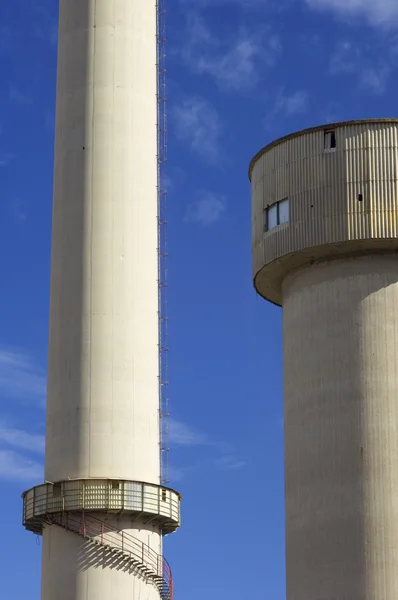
{"x":102,"y":510}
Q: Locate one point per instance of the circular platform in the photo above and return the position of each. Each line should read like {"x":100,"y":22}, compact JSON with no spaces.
{"x":152,"y":503}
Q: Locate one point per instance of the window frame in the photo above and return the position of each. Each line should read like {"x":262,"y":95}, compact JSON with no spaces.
{"x":284,"y":201}
{"x":267,"y":210}
{"x":332,"y":134}
{"x":276,"y":206}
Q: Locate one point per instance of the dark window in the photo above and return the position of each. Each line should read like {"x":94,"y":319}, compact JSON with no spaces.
{"x":57,"y":490}
{"x":330,"y":140}
{"x":115,"y":485}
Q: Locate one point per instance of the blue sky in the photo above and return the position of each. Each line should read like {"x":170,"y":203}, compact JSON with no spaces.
{"x":240,"y":73}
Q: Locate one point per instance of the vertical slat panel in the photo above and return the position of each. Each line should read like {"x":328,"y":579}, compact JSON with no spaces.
{"x":323,"y":189}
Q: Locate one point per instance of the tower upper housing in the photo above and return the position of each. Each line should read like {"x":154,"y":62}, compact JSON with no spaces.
{"x":320,"y":193}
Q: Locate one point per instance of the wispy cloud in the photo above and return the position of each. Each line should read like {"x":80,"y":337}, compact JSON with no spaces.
{"x":232,"y":62}
{"x":292,"y":105}
{"x":208,"y":209}
{"x":20,"y":378}
{"x":181,"y":434}
{"x":197,"y":123}
{"x":15,"y":467}
{"x":236,"y":67}
{"x":21,"y":439}
{"x":287,"y":105}
{"x":375,"y":79}
{"x":344,"y":58}
{"x":229,"y":463}
{"x":360,"y":62}
{"x":377,"y":12}
{"x":178,"y":473}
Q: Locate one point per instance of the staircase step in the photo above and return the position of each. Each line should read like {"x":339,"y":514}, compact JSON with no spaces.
{"x":147,"y":571}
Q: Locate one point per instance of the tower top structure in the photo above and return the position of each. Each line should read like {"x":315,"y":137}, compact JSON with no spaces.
{"x":316,"y":194}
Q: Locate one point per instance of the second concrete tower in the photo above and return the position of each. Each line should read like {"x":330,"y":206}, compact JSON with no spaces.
{"x":325,"y":242}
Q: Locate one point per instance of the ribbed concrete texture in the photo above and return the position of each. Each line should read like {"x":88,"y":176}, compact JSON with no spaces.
{"x":325,"y":248}
{"x":102,"y":407}
{"x":322,"y":188}
{"x":340,"y":332}
{"x":103,"y":399}
{"x":77,"y":569}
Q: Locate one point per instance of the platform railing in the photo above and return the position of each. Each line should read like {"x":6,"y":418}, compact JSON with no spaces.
{"x":154,"y":503}
{"x":143,"y":558}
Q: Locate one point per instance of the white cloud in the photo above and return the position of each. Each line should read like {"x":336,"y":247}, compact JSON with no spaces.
{"x":22,"y":439}
{"x":294,"y":104}
{"x":230,"y":463}
{"x":375,"y":79}
{"x":233,"y":63}
{"x":287,"y":106}
{"x":179,"y":473}
{"x":344,"y":58}
{"x":198,"y":34}
{"x":14,"y":467}
{"x":197,"y":123}
{"x":370,"y":72}
{"x":20,"y":378}
{"x":181,"y":434}
{"x":207,"y":210}
{"x":377,"y":12}
{"x":234,"y":69}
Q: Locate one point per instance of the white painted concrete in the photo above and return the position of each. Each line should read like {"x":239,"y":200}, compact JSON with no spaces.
{"x":102,"y":407}
{"x":340,"y":330}
{"x":102,"y":410}
{"x":78,"y":570}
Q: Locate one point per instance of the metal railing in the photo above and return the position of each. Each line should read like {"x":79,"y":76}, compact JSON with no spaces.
{"x":162,"y":238}
{"x":152,"y":565}
{"x":153,"y":503}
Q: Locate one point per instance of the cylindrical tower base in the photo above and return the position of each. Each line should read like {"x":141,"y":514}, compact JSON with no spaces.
{"x":340,"y":328}
{"x":77,"y":568}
